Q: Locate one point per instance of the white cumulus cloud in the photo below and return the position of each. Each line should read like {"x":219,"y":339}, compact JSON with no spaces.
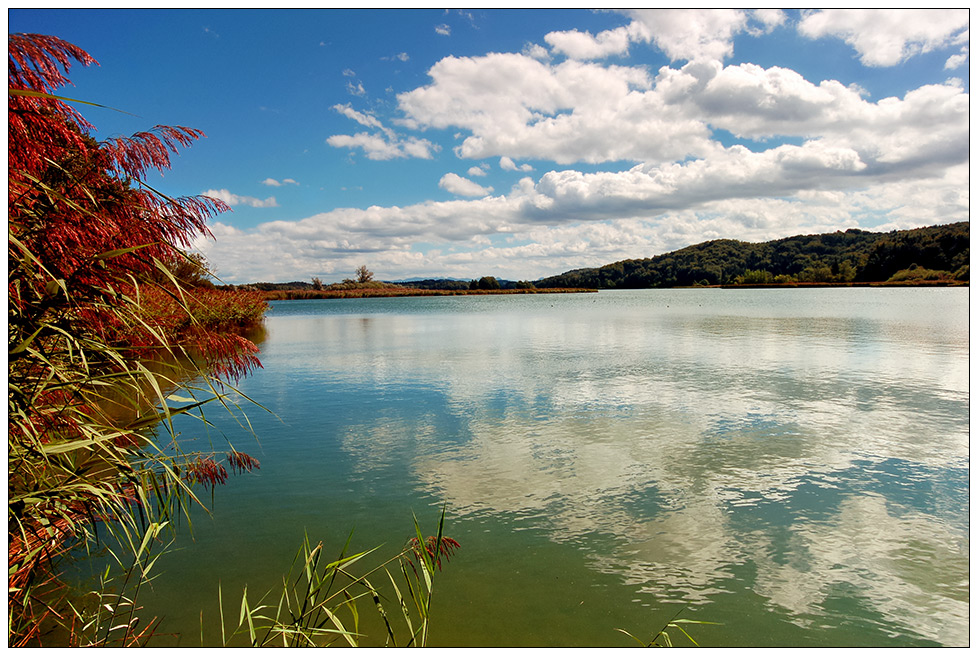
{"x":885,"y":37}
{"x":507,"y":164}
{"x":958,"y":60}
{"x":378,"y":148}
{"x":366,"y":120}
{"x":235,"y":199}
{"x":582,"y":45}
{"x":460,"y":186}
{"x":272,"y":182}
{"x":691,"y":34}
{"x":384,"y":144}
{"x":520,"y":107}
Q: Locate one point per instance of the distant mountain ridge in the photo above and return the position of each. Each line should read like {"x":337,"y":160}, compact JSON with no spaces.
{"x":936,"y":252}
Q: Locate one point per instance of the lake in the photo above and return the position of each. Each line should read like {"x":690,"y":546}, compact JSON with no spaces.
{"x":790,"y":464}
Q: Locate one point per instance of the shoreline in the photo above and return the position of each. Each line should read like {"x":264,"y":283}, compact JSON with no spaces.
{"x":390,"y":292}
{"x":803,"y":285}
{"x":302,"y":295}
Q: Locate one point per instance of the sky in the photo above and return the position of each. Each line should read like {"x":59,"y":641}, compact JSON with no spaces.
{"x":428,"y":143}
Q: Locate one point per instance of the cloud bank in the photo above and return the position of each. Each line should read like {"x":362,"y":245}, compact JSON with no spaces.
{"x":630,"y":161}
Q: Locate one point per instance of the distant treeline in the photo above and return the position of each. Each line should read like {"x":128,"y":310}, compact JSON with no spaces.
{"x":394,"y":290}
{"x":483,"y":283}
{"x":275,"y":286}
{"x":434,"y":283}
{"x":923,"y":254}
{"x":486,"y":283}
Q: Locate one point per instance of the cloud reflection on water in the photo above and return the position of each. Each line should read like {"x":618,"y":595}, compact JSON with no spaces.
{"x":697,"y":440}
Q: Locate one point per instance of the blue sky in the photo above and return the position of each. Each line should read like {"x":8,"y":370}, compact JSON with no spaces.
{"x":525,"y":143}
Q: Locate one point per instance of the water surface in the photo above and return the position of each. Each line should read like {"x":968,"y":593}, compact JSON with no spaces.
{"x":790,"y":463}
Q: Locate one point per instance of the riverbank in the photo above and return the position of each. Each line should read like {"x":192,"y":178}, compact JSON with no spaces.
{"x":386,"y":292}
{"x":383,"y":292}
{"x":901,"y":283}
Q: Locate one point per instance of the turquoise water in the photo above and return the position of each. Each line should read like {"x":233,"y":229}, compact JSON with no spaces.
{"x":792,"y":464}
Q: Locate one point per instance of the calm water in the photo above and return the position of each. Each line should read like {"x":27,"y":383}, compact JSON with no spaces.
{"x":792,"y":464}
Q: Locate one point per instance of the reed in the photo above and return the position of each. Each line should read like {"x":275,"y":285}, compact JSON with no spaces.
{"x":661,"y":638}
{"x":323,"y":601}
{"x":100,"y":335}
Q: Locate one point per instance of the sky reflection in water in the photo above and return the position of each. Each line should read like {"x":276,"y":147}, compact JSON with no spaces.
{"x":804,"y":450}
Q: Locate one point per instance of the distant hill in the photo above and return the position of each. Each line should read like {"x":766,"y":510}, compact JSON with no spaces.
{"x":419,"y":280}
{"x":433,"y":283}
{"x":937,"y":252}
{"x":455,"y":283}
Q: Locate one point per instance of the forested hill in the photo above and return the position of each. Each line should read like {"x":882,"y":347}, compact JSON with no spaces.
{"x":936,"y":253}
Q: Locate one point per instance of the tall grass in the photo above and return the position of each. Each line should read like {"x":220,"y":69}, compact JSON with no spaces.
{"x":324,"y":601}
{"x":662,"y":637}
{"x":99,"y":335}
{"x":92,"y":446}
